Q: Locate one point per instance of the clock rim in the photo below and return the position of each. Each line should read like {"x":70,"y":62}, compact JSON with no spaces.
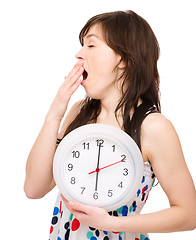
{"x":120,"y":136}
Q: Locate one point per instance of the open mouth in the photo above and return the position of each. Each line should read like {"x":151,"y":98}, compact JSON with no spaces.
{"x":85,"y":75}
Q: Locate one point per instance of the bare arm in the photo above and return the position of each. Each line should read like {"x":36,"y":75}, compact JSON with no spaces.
{"x":163,"y":149}
{"x":39,"y":177}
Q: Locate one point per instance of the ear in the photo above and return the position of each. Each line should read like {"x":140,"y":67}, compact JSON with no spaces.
{"x":121,"y":64}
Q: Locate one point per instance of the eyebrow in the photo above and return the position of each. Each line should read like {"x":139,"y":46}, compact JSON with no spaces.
{"x":91,"y":35}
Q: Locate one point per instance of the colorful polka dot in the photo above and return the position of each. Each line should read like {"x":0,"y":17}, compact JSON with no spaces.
{"x":75,"y":224}
{"x":120,"y":210}
{"x":93,"y":238}
{"x":131,"y":209}
{"x":106,"y":238}
{"x":54,"y":220}
{"x":143,"y":179}
{"x":58,"y":238}
{"x":97,"y":233}
{"x":66,"y":226}
{"x":138,"y":192}
{"x":51,"y":229}
{"x":56,"y":211}
{"x":142,"y":237}
{"x":71,"y":217}
{"x":67,"y":234}
{"x":143,"y":196}
{"x":89,"y":235}
{"x":124,"y":211}
{"x":146,"y":198}
{"x":153,"y":182}
{"x":92,"y":229}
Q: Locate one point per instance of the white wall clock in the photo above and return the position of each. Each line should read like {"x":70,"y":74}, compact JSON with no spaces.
{"x":98,"y":165}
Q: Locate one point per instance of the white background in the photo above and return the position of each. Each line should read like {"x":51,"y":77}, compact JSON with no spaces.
{"x":38,"y":42}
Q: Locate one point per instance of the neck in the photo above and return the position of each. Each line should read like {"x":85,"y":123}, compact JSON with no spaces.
{"x":107,"y":114}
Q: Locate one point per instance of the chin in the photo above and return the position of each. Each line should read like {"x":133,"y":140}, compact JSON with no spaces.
{"x":92,"y":93}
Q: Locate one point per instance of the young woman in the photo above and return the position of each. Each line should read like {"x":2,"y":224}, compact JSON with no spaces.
{"x":118,"y":62}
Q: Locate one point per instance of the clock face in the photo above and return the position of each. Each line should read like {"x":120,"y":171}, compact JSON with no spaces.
{"x":97,"y":165}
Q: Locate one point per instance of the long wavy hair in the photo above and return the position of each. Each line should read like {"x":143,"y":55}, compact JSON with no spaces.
{"x":131,"y":37}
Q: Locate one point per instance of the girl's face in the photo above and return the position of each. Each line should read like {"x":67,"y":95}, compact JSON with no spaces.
{"x":100,"y":79}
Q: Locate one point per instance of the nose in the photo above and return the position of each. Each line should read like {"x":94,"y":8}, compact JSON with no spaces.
{"x":80,"y":55}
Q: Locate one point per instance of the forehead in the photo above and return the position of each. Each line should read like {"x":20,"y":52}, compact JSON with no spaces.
{"x":94,"y":32}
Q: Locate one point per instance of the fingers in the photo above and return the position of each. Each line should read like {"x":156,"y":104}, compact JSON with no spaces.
{"x":79,"y":207}
{"x":64,"y":199}
{"x":75,"y":69}
{"x":72,"y":81}
{"x":75,"y":206}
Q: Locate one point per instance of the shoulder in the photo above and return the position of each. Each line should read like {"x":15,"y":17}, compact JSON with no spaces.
{"x":156,"y":123}
{"x":157,"y":134}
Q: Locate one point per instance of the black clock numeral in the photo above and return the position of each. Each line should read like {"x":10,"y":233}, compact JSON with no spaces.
{"x":70,"y":167}
{"x":100,"y":142}
{"x":76,"y":154}
{"x":73,"y":180}
{"x":86,"y":146}
{"x":83,"y":188}
{"x":114,"y":148}
{"x":110,"y":193}
{"x":126,"y":171}
{"x":123,"y":158}
{"x":120,"y":185}
{"x":95,"y":195}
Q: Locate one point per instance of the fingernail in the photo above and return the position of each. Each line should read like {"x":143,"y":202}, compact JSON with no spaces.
{"x":78,"y":63}
{"x":71,"y":204}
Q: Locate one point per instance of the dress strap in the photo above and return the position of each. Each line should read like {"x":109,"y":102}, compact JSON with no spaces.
{"x":152,"y":109}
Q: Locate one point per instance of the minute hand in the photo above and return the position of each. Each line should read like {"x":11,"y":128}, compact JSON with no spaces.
{"x":99,"y":169}
{"x":96,"y":183}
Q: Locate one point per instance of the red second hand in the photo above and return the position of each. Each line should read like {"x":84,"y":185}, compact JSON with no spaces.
{"x":98,"y":169}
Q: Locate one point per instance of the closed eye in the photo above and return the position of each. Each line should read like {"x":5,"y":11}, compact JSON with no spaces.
{"x":90,"y":46}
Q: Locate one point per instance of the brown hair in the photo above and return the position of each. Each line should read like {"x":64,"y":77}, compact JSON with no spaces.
{"x":131,"y":37}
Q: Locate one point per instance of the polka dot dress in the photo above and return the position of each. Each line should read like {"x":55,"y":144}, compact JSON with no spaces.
{"x":64,"y":226}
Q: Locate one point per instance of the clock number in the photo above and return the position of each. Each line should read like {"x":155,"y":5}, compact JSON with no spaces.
{"x":83,"y":188}
{"x":73,"y":180}
{"x":100,"y":142}
{"x":70,"y":167}
{"x":76,"y":154}
{"x":110,"y":193}
{"x":114,"y":148}
{"x":126,"y":172}
{"x":95,"y":195}
{"x":123,"y":158}
{"x":120,"y":185}
{"x":86,"y":145}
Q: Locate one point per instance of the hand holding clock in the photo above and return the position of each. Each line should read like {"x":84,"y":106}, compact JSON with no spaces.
{"x":89,"y":215}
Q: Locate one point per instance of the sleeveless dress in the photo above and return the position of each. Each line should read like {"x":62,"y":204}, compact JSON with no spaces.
{"x":64,"y":226}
